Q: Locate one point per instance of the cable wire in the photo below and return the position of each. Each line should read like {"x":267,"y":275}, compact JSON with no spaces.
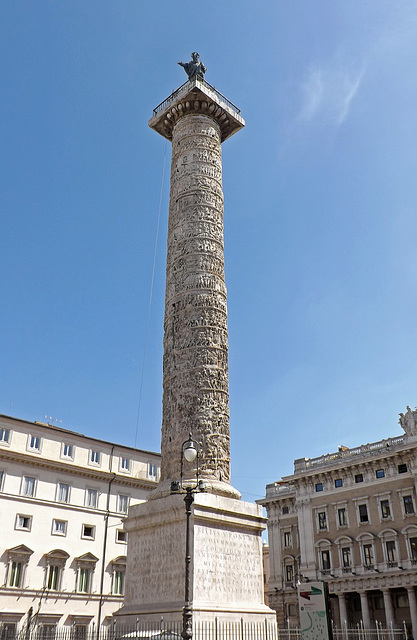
{"x":145,"y":346}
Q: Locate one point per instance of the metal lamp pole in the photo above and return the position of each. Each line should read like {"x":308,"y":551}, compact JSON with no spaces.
{"x":189,"y":453}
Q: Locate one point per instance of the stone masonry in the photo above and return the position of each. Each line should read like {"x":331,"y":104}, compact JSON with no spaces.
{"x":195,"y":368}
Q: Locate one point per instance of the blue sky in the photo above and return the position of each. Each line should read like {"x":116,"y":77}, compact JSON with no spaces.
{"x":320,"y":217}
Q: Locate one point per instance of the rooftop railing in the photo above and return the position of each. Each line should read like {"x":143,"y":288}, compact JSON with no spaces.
{"x":306,"y":464}
{"x":201,"y":80}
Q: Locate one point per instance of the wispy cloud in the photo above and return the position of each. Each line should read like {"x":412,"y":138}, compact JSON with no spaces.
{"x":328,"y":93}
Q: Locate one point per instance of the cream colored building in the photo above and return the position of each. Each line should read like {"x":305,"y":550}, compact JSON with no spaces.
{"x":63,"y":500}
{"x":349,"y":518}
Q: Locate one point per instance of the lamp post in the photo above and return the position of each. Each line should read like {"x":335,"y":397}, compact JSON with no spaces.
{"x":189,"y":453}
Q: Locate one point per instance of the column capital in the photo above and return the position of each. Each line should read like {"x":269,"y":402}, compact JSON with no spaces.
{"x":196,"y":97}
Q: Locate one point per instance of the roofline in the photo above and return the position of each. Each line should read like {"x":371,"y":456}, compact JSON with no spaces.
{"x":76,"y":433}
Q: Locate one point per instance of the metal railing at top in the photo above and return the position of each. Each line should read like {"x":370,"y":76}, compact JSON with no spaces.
{"x":175,"y":93}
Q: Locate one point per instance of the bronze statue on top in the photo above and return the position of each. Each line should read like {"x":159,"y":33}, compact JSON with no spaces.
{"x":194,"y":69}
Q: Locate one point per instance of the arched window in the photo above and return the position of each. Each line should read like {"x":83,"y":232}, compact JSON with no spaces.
{"x":345,"y":551}
{"x":410,"y":535}
{"x":18,"y":560}
{"x":119,"y":571}
{"x":324,"y":551}
{"x":390,"y":548}
{"x":367,"y":550}
{"x":55,"y":562}
{"x":288,"y":567}
{"x":85,"y":571}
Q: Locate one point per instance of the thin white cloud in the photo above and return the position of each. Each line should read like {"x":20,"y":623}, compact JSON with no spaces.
{"x":328,"y":94}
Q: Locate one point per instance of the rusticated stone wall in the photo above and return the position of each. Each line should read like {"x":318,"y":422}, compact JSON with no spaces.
{"x":195,"y":368}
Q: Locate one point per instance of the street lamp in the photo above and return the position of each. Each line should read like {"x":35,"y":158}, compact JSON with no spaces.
{"x":189,"y":453}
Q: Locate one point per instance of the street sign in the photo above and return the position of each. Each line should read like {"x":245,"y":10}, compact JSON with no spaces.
{"x":314,"y":611}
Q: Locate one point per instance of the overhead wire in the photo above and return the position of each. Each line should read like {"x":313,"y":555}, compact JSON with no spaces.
{"x":145,"y":345}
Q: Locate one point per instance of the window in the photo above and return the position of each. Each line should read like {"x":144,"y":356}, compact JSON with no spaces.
{"x":94,"y":457}
{"x":88,"y":531}
{"x":123,"y":504}
{"x":124,"y":464}
{"x":4,"y":435}
{"x":341,"y":517}
{"x":34,"y":443}
{"x":413,"y":550}
{"x":346,"y":557}
{"x":53,"y":577}
{"x":292,"y":610}
{"x":121,"y":536}
{"x":24,"y":523}
{"x":363,"y":513}
{"x":325,"y":560}
{"x":46,"y":631}
{"x":289,"y":573}
{"x":59,"y":527}
{"x":16,"y":574}
{"x":85,"y":572}
{"x":322,"y":520}
{"x":1,"y":479}
{"x":63,"y":492}
{"x":380,"y":473}
{"x":368,"y":556}
{"x":79,"y":632}
{"x":338,"y":483}
{"x":91,"y":498}
{"x":84,"y":576}
{"x":402,"y":468}
{"x":391,"y":553}
{"x":408,"y":505}
{"x":8,"y":630}
{"x":119,"y":582}
{"x":359,"y":477}
{"x":67,"y":451}
{"x":319,"y":486}
{"x":285,"y":510}
{"x":28,"y":488}
{"x":385,"y":509}
{"x":152,"y":470}
{"x":287,"y":539}
{"x":401,"y":600}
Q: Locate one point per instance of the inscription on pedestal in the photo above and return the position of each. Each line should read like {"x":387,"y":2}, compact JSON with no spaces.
{"x":155,"y":570}
{"x":226,"y":565}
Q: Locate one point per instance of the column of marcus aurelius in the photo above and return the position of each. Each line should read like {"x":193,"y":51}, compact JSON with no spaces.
{"x":195,"y":369}
{"x":226,"y":549}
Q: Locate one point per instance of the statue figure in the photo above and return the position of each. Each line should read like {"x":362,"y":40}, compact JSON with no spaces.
{"x":194,"y":69}
{"x":409,"y":421}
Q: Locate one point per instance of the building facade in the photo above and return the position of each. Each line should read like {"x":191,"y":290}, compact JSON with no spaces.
{"x":63,"y":499}
{"x":349,"y":518}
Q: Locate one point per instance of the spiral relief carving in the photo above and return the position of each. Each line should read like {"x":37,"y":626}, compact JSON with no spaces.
{"x":195,"y":368}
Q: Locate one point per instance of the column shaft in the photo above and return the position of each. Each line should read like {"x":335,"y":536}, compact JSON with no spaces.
{"x":366,"y":615}
{"x":389,"y":608}
{"x":413,"y":609}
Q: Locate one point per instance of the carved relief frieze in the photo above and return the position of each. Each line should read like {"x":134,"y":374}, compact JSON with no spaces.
{"x":195,"y":365}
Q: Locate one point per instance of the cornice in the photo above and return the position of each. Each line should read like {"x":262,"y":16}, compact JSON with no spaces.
{"x":196,"y":98}
{"x":75,"y":470}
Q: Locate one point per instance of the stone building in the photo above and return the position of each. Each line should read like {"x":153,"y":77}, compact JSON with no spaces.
{"x":63,"y":499}
{"x":349,"y":518}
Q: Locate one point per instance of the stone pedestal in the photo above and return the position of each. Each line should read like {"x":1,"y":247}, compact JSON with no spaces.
{"x":226,"y":561}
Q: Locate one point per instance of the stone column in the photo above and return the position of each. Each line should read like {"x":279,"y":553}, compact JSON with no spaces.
{"x":343,"y":612}
{"x":389,"y":608}
{"x":195,"y":363}
{"x":366,"y":615}
{"x":413,"y":609}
